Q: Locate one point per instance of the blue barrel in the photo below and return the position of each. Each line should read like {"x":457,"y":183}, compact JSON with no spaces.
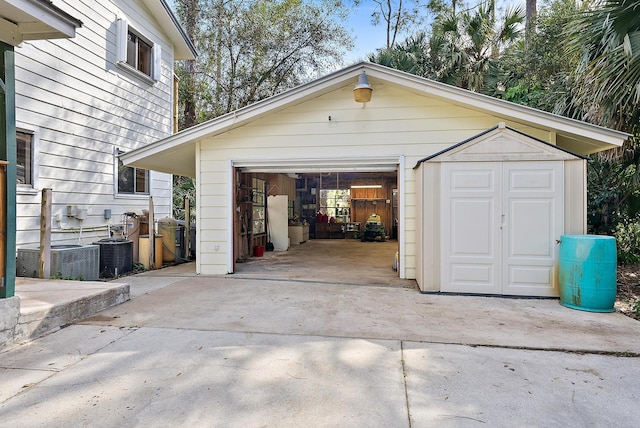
{"x":587,"y":272}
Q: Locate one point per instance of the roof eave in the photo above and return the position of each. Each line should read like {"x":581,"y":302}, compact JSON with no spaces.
{"x":503,"y":108}
{"x":45,"y":21}
{"x":183,"y":48}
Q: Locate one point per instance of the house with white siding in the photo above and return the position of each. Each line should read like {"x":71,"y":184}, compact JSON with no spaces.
{"x":477,"y":190}
{"x":81,"y":103}
{"x":20,"y":20}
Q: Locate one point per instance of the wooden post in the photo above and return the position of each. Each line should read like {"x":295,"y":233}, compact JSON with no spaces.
{"x":45,"y":234}
{"x":152,"y":236}
{"x":187,"y":228}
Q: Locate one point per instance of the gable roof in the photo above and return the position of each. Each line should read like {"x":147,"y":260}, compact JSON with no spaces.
{"x":22,"y":20}
{"x":176,"y":153}
{"x":505,"y":142}
{"x":183,"y":48}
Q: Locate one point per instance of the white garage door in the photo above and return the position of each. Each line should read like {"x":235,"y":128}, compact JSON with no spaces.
{"x":500,"y":223}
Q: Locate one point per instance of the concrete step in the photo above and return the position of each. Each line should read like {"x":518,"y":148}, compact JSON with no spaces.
{"x":47,"y":305}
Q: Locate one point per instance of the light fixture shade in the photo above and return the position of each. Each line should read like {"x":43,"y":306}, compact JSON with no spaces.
{"x":362,"y":91}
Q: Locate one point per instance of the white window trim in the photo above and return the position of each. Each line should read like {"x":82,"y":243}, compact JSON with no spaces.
{"x":122,"y":30}
{"x":33,"y":188}
{"x":116,"y":194}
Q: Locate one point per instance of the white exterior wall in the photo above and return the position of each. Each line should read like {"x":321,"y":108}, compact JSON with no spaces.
{"x":395,"y":123}
{"x":575,"y":197}
{"x":428,"y":235}
{"x":82,"y":108}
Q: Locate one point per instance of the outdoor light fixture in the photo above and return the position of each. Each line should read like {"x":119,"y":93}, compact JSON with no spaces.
{"x":367,"y":186}
{"x":362,"y":91}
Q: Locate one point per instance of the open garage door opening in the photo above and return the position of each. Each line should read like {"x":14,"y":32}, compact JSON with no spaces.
{"x":334,"y":226}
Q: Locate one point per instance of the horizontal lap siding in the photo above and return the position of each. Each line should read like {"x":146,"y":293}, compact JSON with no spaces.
{"x":213,"y":214}
{"x":396,"y":122}
{"x":83,"y":107}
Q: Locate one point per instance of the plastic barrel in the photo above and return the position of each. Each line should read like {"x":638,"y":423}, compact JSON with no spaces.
{"x":587,"y":272}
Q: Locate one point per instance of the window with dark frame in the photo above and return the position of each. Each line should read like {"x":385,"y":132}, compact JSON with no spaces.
{"x":259,"y":206}
{"x":139,"y":53}
{"x":24,"y":162}
{"x":131,"y":180}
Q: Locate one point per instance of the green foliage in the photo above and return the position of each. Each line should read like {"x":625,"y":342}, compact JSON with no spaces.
{"x":411,"y":56}
{"x":606,"y":41}
{"x":635,"y":309}
{"x":614,"y":186}
{"x":606,"y":194}
{"x":627,"y":234}
{"x":536,"y":72}
{"x":183,"y":187}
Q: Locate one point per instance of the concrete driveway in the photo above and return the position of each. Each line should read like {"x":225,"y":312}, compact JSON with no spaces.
{"x":239,"y":351}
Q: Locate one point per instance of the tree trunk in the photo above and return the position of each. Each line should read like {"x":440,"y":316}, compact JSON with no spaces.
{"x":531,"y":14}
{"x":190,"y":9}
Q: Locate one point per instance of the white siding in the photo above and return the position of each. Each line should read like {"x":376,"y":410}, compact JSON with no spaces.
{"x":395,"y":123}
{"x":575,"y":201}
{"x":84,"y":107}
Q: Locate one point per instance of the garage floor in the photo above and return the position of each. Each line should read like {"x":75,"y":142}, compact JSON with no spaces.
{"x":344,"y":261}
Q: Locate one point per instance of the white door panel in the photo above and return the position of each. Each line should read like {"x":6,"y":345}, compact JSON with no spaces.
{"x":500,"y":222}
{"x":533,"y":200}
{"x":471,"y":246}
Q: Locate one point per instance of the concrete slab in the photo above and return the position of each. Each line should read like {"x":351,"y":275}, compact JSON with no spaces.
{"x":147,"y":282}
{"x":27,"y":365}
{"x":278,"y":349}
{"x":340,"y":261}
{"x":374,"y":312}
{"x":169,"y":377}
{"x":460,"y":386}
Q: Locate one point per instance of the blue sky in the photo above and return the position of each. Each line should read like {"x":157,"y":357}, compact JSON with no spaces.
{"x":367,"y":37}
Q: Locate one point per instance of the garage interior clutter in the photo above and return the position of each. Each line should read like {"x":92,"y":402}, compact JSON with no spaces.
{"x":275,"y":211}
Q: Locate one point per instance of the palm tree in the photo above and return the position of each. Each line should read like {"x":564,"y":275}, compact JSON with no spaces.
{"x":410,"y":56}
{"x":471,"y":40}
{"x":607,"y":40}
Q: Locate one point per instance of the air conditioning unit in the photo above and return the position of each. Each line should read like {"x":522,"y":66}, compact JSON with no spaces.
{"x":76,"y":262}
{"x":116,"y":256}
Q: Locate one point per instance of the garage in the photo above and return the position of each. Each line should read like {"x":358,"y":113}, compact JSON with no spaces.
{"x":278,"y":209}
{"x":473,"y":191}
{"x":504,"y":200}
